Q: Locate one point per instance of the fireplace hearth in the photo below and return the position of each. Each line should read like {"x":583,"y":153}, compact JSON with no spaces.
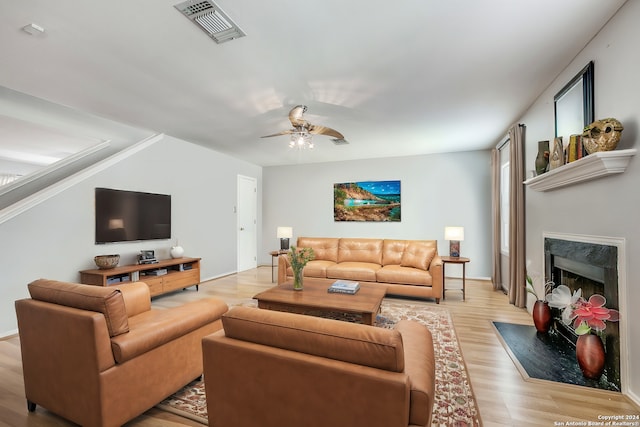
{"x":591,"y":267}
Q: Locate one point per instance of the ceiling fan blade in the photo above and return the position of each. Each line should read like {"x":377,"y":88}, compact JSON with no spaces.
{"x":284,"y":132}
{"x":323,"y":130}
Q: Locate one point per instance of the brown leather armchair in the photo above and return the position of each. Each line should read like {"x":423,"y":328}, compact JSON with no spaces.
{"x":100,"y":356}
{"x":276,"y":369}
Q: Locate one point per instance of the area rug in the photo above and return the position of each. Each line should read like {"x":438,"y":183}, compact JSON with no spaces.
{"x":545,"y":357}
{"x":455,"y":404}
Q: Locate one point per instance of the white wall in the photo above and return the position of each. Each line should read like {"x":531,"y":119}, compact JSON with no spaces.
{"x":607,"y":206}
{"x":55,"y":239}
{"x":437,"y":190}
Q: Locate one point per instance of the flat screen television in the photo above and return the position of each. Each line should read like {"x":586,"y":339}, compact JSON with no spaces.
{"x":124,"y":216}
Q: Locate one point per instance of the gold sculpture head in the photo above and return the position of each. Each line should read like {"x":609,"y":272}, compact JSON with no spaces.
{"x":602,"y":135}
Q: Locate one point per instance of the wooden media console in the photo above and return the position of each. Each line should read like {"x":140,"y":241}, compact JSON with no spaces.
{"x":180,"y":273}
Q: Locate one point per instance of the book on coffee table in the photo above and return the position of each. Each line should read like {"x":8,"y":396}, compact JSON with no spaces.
{"x":344,"y":287}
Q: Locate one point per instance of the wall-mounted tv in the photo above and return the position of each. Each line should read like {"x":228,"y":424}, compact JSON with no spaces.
{"x":124,"y":216}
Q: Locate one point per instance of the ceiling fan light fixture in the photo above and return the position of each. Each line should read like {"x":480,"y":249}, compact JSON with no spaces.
{"x":301,"y":140}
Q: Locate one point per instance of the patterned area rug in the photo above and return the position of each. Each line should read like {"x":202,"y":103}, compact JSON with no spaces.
{"x":454,"y":405}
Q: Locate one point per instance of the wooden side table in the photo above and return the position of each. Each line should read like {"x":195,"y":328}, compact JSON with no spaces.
{"x":275,"y":255}
{"x":453,"y":260}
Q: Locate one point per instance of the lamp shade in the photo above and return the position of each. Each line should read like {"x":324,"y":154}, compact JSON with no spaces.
{"x":284,"y":232}
{"x":454,"y":233}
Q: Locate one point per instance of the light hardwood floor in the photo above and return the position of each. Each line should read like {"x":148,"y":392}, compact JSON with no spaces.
{"x":503,"y":397}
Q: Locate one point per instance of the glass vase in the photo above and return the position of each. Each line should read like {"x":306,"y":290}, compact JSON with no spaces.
{"x":298,"y":279}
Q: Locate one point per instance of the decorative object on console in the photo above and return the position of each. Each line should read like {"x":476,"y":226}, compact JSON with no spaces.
{"x":298,"y":258}
{"x":602,"y":135}
{"x":284,"y":234}
{"x":147,"y":257}
{"x":176,"y":251}
{"x":454,"y":235}
{"x":106,"y":261}
{"x":557,"y":154}
{"x":542,"y":159}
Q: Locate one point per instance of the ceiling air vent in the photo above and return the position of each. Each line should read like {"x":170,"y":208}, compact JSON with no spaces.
{"x":339,"y":141}
{"x":211,"y":19}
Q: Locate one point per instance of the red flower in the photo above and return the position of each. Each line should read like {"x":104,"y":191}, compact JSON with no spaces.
{"x":594,"y":313}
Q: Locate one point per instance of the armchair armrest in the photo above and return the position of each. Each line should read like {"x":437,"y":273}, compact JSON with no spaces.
{"x":137,"y":297}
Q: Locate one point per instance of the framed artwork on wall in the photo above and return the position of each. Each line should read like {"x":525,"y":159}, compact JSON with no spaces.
{"x":375,"y":201}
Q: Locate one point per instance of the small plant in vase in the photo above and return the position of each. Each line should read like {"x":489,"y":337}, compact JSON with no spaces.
{"x":298,"y":258}
{"x":541,"y":311}
{"x":588,"y":318}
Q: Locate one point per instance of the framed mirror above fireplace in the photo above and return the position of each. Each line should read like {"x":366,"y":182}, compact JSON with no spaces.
{"x":574,"y":104}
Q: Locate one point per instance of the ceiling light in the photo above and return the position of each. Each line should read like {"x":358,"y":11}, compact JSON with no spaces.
{"x":301,"y":139}
{"x":33,"y":29}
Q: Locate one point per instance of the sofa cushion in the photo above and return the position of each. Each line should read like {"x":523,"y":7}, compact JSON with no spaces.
{"x":154,"y":328}
{"x":418,"y":255}
{"x":360,"y":250}
{"x":404,"y":275}
{"x":392,"y":251}
{"x":324,"y":248}
{"x":315,"y":268}
{"x":349,"y":342}
{"x":105,"y":300}
{"x":358,"y":271}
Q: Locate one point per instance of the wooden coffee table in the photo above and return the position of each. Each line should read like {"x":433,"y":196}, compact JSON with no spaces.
{"x":314,"y":297}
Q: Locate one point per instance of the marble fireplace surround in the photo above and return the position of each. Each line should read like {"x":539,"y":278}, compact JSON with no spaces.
{"x":618,"y":243}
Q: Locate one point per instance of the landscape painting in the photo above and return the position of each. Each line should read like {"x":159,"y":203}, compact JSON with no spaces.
{"x":377,"y":201}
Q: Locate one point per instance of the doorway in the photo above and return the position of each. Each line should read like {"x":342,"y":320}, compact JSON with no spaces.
{"x":246,"y":214}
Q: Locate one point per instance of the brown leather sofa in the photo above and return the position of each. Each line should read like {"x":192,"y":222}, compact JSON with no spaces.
{"x":404,"y":267}
{"x":277,"y":369}
{"x":100,"y":356}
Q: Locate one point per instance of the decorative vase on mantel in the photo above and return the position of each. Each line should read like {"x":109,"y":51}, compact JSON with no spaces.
{"x":557,"y":154}
{"x":298,"y":278}
{"x":541,"y":316}
{"x":542,"y":159}
{"x":591,"y":355}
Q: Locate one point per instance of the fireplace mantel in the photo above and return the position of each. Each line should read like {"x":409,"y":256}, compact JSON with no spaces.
{"x":593,"y":166}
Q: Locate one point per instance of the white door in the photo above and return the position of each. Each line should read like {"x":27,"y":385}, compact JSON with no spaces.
{"x":247,"y":223}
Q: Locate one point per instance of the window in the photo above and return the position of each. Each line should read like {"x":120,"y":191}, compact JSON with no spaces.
{"x":504,"y":198}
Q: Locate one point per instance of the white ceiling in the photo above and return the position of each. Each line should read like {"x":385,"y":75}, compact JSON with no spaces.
{"x":402,"y":78}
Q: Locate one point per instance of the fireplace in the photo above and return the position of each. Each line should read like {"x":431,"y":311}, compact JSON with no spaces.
{"x":592,"y":265}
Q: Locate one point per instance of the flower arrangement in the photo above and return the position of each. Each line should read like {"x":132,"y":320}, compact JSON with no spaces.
{"x":548,"y":285}
{"x":298,"y":258}
{"x":586,"y":315}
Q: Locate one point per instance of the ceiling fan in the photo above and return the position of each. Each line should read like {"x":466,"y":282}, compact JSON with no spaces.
{"x":302,"y":129}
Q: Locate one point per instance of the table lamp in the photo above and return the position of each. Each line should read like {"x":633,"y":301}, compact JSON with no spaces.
{"x":284,"y":234}
{"x":454,"y":235}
